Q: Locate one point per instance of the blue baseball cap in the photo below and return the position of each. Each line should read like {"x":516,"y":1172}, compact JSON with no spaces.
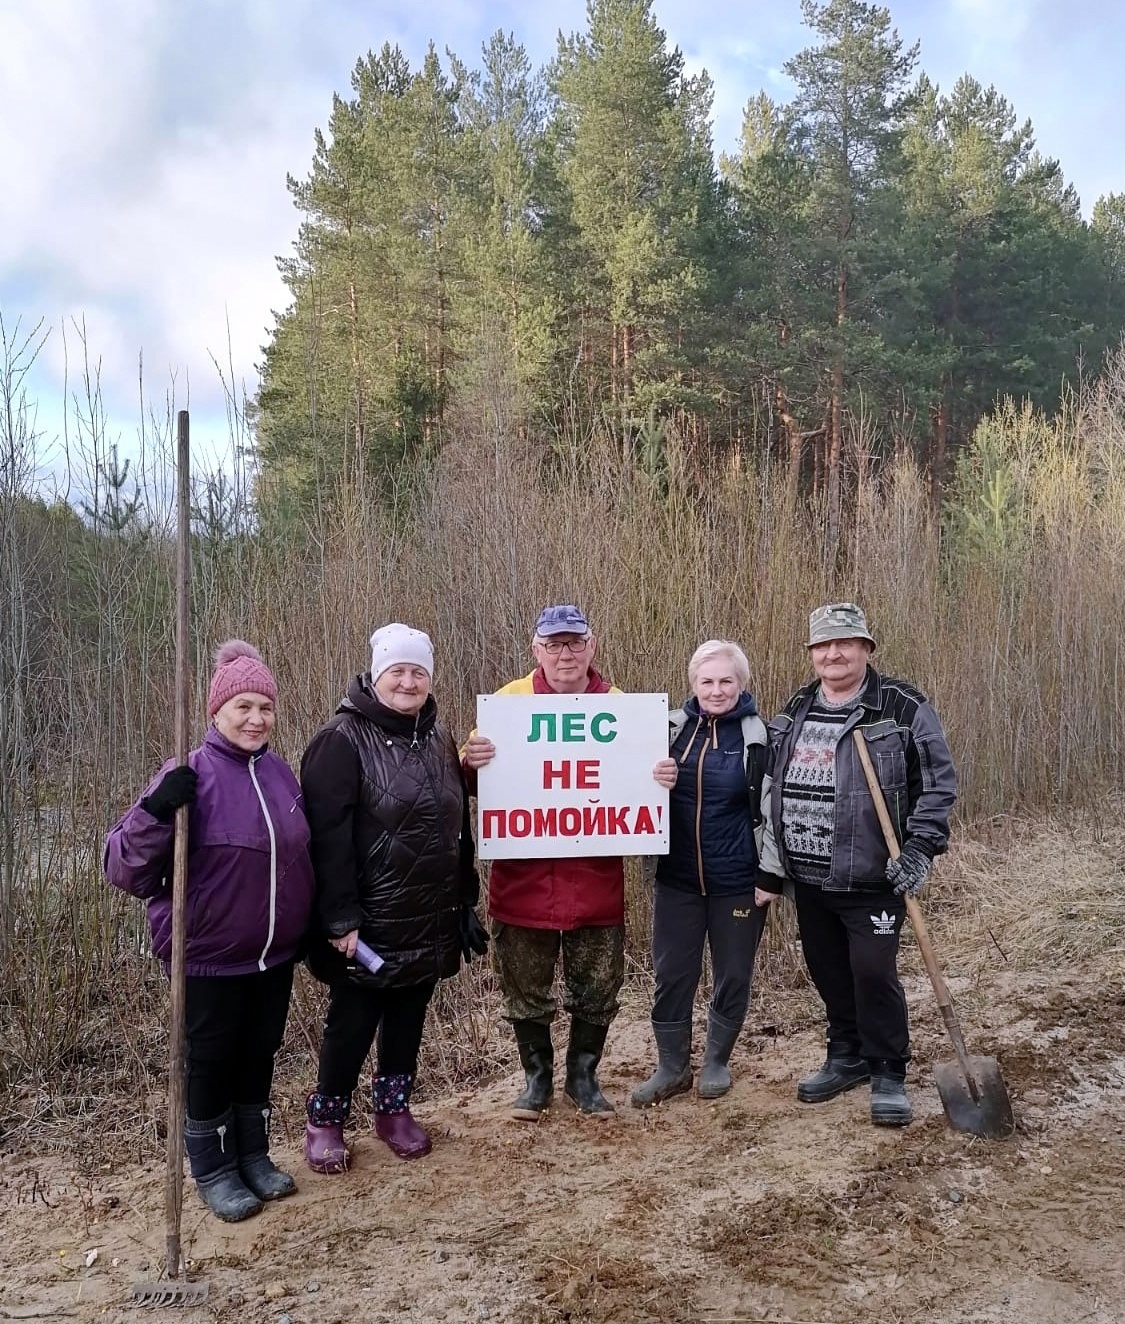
{"x":563,"y":619}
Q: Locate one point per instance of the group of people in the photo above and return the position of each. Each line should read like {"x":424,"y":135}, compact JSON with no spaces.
{"x":365,"y":867}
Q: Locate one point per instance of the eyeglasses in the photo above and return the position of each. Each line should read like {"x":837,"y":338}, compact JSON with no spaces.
{"x":556,"y":646}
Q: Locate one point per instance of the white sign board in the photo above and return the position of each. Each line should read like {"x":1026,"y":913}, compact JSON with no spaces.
{"x":572,"y":775}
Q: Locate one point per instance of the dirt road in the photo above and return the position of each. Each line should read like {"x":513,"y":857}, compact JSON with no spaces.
{"x":751,"y":1208}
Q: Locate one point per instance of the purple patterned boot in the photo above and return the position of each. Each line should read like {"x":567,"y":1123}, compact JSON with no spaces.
{"x":325,"y":1150}
{"x":393,"y":1122}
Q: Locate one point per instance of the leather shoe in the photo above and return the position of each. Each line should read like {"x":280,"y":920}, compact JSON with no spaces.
{"x":834,"y":1077}
{"x":889,"y":1104}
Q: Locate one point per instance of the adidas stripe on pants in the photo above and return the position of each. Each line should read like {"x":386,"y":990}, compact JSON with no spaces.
{"x":850,"y":941}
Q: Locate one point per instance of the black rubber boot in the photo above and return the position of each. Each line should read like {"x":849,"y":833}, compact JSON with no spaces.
{"x":583,"y":1054}
{"x":213,"y":1158}
{"x":673,"y":1065}
{"x":714,"y":1073}
{"x":889,"y":1104}
{"x":252,"y":1133}
{"x":537,"y":1057}
{"x":840,"y":1072}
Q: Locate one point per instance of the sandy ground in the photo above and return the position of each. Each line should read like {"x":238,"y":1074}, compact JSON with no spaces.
{"x":752,"y":1208}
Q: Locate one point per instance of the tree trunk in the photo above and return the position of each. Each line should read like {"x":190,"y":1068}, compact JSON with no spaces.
{"x":940,"y":442}
{"x":794,"y":443}
{"x":836,"y":418}
{"x":442,"y":313}
{"x":613,"y":365}
{"x":357,"y":383}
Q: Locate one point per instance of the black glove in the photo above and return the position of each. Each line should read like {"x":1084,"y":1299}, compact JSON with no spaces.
{"x":474,"y":936}
{"x":175,"y":788}
{"x":909,"y":872}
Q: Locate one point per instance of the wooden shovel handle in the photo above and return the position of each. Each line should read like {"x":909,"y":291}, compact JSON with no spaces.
{"x":917,"y":920}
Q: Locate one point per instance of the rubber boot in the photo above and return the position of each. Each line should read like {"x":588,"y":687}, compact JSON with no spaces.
{"x":213,"y":1158}
{"x":325,"y":1150}
{"x":252,"y":1130}
{"x":889,"y":1104}
{"x":537,"y":1057}
{"x":584,"y":1052}
{"x":714,"y":1073}
{"x":393,"y":1122}
{"x":843,"y":1069}
{"x":673,"y":1065}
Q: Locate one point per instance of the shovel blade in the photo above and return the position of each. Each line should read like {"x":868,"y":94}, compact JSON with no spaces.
{"x":990,"y":1113}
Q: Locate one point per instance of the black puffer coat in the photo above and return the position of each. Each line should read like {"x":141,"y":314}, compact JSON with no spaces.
{"x":391,"y":843}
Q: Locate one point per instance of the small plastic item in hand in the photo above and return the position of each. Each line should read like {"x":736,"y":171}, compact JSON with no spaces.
{"x":370,"y":960}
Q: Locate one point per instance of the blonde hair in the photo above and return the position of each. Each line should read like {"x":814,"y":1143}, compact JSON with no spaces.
{"x":719,"y":648}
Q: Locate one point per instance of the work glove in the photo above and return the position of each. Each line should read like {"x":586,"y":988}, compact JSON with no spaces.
{"x":909,"y":872}
{"x":474,"y":937}
{"x":177,"y":787}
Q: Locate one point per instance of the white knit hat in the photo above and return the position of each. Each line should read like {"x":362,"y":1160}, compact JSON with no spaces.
{"x":391,"y":644}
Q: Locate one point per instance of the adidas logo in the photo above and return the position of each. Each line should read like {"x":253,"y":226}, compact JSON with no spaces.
{"x":884,"y":923}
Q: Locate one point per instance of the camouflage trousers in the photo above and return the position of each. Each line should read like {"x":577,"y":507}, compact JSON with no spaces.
{"x":593,"y":970}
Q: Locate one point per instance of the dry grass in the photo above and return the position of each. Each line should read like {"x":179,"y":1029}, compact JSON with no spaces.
{"x":1043,"y":892}
{"x":1005,"y":609}
{"x":1021,"y":892}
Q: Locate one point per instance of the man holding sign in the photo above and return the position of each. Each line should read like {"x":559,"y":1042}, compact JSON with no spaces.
{"x":569,"y":905}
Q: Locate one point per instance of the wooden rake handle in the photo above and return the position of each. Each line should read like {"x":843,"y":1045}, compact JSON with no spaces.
{"x":917,"y":919}
{"x":174,"y":1166}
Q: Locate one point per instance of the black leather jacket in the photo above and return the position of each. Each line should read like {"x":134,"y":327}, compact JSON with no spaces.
{"x":914,"y":766}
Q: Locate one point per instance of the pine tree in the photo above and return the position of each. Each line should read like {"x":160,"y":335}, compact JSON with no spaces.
{"x":1013,"y":279}
{"x":780,"y":316}
{"x":638,"y":194}
{"x":357,"y":374}
{"x":849,"y":110}
{"x":508,"y":343}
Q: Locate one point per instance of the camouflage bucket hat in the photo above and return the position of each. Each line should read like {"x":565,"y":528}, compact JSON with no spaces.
{"x":838,"y":620}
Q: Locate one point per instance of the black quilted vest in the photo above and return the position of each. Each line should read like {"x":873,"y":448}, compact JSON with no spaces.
{"x":407,"y":835}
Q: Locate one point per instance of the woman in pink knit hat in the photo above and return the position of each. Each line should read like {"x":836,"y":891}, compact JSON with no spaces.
{"x":249,"y":902}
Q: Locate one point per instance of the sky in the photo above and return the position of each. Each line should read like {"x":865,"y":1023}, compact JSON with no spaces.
{"x":145,"y":146}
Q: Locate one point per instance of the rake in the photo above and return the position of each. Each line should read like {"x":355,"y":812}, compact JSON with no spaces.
{"x":174,"y":1290}
{"x":169,"y":1293}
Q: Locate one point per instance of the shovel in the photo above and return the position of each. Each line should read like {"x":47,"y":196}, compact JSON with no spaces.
{"x":972,"y":1092}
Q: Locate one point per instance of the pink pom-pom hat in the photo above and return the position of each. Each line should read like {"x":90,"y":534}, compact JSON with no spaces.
{"x":239,"y":669}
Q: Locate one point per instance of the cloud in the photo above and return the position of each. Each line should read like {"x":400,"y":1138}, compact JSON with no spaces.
{"x":104,"y":226}
{"x":741,"y":58}
{"x":152,"y":203}
{"x":155,"y":138}
{"x":991,"y":17}
{"x":58,"y":66}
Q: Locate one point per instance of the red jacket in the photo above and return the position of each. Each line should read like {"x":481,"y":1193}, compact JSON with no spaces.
{"x":556,"y":894}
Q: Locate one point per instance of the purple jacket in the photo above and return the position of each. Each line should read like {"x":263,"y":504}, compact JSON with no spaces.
{"x":249,"y":877}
